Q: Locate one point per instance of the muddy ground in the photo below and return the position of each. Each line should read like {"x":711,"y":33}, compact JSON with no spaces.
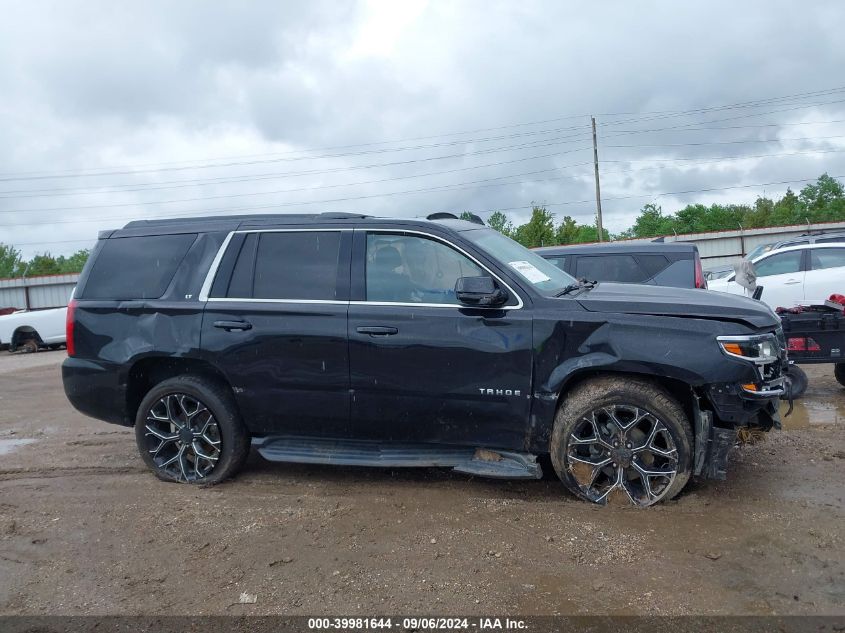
{"x":84,"y":529}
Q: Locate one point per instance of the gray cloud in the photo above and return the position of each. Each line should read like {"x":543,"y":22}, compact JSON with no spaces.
{"x":94,"y":86}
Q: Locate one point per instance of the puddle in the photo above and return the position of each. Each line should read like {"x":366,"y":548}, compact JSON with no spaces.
{"x":811,"y":412}
{"x":7,"y":446}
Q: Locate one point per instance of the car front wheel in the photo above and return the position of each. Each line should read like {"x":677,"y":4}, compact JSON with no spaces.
{"x":188,"y":430}
{"x":622,"y":439}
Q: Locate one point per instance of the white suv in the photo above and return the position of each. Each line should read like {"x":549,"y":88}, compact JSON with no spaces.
{"x":803,"y":274}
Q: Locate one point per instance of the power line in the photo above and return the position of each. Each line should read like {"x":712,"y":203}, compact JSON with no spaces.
{"x":660,"y":115}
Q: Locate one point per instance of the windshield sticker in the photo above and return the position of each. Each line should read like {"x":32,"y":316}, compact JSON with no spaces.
{"x":529,"y":271}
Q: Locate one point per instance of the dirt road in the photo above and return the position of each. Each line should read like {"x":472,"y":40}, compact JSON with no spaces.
{"x":84,"y":529}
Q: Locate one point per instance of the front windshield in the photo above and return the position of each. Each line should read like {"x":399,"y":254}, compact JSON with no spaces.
{"x":763,"y":248}
{"x":547,"y":278}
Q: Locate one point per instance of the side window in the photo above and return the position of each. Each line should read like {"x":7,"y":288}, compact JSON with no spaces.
{"x":780,"y":264}
{"x":828,"y":240}
{"x":620,"y":268}
{"x":821,"y":258}
{"x":411,"y":269}
{"x":136,"y":267}
{"x":293,"y":265}
{"x":559,"y":261}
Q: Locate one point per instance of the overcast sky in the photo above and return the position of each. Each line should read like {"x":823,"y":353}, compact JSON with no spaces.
{"x":118,"y":111}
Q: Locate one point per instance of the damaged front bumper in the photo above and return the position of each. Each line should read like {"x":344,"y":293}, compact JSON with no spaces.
{"x":716,"y":430}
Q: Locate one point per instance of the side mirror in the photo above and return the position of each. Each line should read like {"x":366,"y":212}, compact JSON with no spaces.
{"x":480,"y":291}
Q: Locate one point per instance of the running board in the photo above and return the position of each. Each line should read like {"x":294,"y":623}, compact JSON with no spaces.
{"x":480,"y":462}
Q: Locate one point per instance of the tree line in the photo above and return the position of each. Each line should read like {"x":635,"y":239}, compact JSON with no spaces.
{"x":821,"y":201}
{"x":13,"y":265}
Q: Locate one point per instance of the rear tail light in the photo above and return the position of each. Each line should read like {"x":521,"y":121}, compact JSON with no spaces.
{"x":700,"y":281}
{"x":69,"y":323}
{"x":802,"y":344}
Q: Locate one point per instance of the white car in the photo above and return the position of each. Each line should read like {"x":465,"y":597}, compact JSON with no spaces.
{"x":806,"y":274}
{"x":28,"y":330}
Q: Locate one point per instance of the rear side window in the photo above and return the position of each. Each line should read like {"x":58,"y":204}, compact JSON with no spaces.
{"x":136,"y":267}
{"x":828,"y":240}
{"x":618,"y":268}
{"x":822,"y":258}
{"x":294,"y":265}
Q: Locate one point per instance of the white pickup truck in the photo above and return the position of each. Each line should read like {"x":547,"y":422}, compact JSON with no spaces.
{"x":29,"y":330}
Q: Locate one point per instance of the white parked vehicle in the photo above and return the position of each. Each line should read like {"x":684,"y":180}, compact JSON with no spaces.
{"x":29,"y":330}
{"x":806,"y":274}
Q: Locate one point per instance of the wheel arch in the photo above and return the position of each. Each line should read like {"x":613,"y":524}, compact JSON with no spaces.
{"x":147,"y":372}
{"x":23,"y":333}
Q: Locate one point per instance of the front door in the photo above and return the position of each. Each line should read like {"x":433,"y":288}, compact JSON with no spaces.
{"x":422,"y":367}
{"x":782,"y":278}
{"x":275,"y":325}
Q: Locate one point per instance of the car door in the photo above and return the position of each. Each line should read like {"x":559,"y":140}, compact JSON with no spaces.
{"x":782,"y":276}
{"x":424,"y":368}
{"x":275,"y":325}
{"x":825,"y":273}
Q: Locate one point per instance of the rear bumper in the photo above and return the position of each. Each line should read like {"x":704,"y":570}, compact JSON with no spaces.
{"x":95,"y":389}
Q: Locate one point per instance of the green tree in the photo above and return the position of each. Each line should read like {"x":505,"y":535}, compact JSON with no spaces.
{"x":466,"y":215}
{"x":10,"y":259}
{"x":74,"y":263}
{"x":787,"y":210}
{"x":40,"y":265}
{"x":651,"y":222}
{"x":539,"y":230}
{"x":499,"y":221}
{"x":566,"y":231}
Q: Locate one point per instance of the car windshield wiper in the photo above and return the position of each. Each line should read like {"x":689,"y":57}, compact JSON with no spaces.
{"x":581,"y":284}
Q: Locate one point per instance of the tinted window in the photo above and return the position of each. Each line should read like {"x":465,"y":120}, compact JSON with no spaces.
{"x":296,"y":265}
{"x":408,"y":269}
{"x":821,"y":258}
{"x":678,"y":274}
{"x":240,"y":285}
{"x":558,"y":261}
{"x":136,"y":267}
{"x":779,"y":264}
{"x":652,"y":264}
{"x":828,"y":240}
{"x":619,"y":268}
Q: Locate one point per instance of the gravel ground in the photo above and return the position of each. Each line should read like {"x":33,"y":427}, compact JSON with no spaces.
{"x":84,"y":529}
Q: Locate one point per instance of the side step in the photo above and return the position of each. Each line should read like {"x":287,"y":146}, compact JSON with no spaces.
{"x":480,"y":462}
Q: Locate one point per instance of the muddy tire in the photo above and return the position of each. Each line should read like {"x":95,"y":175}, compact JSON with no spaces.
{"x":29,"y":346}
{"x":798,"y":380}
{"x":188,"y":429}
{"x":839,"y":373}
{"x":622,"y":438}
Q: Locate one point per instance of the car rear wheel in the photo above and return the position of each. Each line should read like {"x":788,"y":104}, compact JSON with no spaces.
{"x":622,"y":439}
{"x":189,"y":430}
{"x":29,"y":346}
{"x":839,"y":373}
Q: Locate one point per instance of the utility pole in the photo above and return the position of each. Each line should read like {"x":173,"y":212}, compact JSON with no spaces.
{"x":598,"y":187}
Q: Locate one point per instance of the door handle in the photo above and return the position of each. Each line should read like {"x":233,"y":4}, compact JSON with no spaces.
{"x":791,"y":282}
{"x":233,"y":325}
{"x":377,"y":330}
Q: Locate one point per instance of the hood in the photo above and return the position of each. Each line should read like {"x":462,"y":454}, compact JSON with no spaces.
{"x":677,"y":302}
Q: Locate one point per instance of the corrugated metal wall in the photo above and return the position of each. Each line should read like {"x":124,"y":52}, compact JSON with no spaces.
{"x":35,"y":293}
{"x":728,"y":247}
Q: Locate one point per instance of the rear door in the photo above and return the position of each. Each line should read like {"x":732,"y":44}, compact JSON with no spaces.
{"x":424,"y":368}
{"x":275,"y":325}
{"x":825,"y":273}
{"x":782,"y":278}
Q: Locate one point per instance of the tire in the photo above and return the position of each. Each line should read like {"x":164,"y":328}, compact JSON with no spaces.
{"x":216,"y":443}
{"x":798,"y":380}
{"x":29,"y":346}
{"x":615,"y":437}
{"x":839,"y":373}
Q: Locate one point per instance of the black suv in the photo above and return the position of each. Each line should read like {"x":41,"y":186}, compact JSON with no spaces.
{"x":347,"y":339}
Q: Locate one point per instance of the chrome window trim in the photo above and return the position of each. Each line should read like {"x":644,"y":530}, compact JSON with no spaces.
{"x":449,"y":244}
{"x":215,"y":264}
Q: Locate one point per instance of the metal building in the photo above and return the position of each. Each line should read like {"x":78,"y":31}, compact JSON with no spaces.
{"x":36,"y":293}
{"x":728,"y":247}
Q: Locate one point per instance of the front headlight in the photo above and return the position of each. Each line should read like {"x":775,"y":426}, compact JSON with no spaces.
{"x":760,"y":349}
